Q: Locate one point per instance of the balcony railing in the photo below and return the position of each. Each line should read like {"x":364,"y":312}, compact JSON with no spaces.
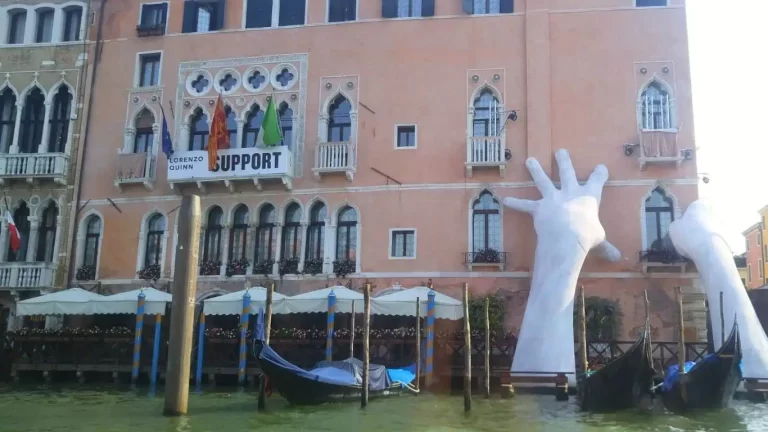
{"x":485,"y":258}
{"x":335,"y":157}
{"x":26,"y":275}
{"x":659,"y":146}
{"x":145,"y":30}
{"x":32,"y":166}
{"x":135,"y":168}
{"x":485,"y":152}
{"x":662,"y":257}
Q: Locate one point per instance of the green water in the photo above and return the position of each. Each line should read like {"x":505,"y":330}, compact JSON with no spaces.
{"x":64,"y":410}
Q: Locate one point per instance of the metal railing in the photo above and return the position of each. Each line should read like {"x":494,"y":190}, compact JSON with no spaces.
{"x":488,"y":256}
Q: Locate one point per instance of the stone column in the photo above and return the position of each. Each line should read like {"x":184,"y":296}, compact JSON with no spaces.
{"x":71,"y":127}
{"x":42,"y":147}
{"x":17,"y":128}
{"x":57,"y":241}
{"x":278,"y":248}
{"x":302,"y":251}
{"x":224,"y":247}
{"x":129,"y":138}
{"x":34,"y":226}
{"x":3,"y":240}
{"x":183,"y":143}
{"x":329,"y":249}
{"x":250,"y":247}
{"x":79,"y":248}
{"x":239,"y":139}
{"x":142,"y":247}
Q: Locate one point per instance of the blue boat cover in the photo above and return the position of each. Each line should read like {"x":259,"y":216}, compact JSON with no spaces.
{"x":403,"y":376}
{"x":673,"y":374}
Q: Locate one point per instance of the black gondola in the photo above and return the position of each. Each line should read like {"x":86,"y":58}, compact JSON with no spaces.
{"x":710,"y":383}
{"x":327,"y":382}
{"x":623,"y":382}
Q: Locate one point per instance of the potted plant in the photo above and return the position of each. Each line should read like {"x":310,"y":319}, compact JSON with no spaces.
{"x":86,"y":273}
{"x":342,"y":268}
{"x":313,"y":266}
{"x":237,"y":267}
{"x":150,"y":272}
{"x":289,"y":266}
{"x":210,"y":268}
{"x":264,"y":267}
{"x":487,"y":256}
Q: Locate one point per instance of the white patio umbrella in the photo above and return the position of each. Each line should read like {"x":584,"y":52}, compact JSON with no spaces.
{"x":74,"y":301}
{"x":126,"y":302}
{"x":232,"y":303}
{"x":401,"y":302}
{"x":317,"y":301}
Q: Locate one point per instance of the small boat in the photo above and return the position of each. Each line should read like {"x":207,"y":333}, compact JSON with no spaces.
{"x":707,"y":384}
{"x":329,"y":381}
{"x":623,"y":382}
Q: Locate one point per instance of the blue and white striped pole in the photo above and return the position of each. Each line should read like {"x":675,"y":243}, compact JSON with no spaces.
{"x":330,"y":326}
{"x":137,"y":338}
{"x":430,"y":336}
{"x":243,"y":335}
{"x":156,"y":351}
{"x":200,"y":345}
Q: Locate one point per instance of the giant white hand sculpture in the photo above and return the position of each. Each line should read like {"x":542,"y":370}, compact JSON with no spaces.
{"x":697,"y":236}
{"x":567,"y":228}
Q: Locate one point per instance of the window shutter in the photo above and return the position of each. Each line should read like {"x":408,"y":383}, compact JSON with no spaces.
{"x":468,"y":6}
{"x":428,"y":8}
{"x":388,"y":8}
{"x":164,"y":9}
{"x":258,"y":13}
{"x":218,"y":15}
{"x":507,"y":6}
{"x":189,"y":23}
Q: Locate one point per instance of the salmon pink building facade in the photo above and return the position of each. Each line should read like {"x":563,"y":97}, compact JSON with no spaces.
{"x":405,"y":124}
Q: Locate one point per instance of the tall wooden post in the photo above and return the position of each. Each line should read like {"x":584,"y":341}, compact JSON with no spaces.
{"x":681,"y":345}
{"x":467,"y":353}
{"x":418,"y":342}
{"x":582,"y":330}
{"x":262,"y":400}
{"x":487,"y":349}
{"x":182,"y":307}
{"x":722,"y":321}
{"x":366,"y":344}
{"x":352,"y":332}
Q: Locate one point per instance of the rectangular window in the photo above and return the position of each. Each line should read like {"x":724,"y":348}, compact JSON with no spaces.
{"x":154,"y":15}
{"x":406,"y":136}
{"x":747,"y":243}
{"x":44,"y":30}
{"x":202,"y":16}
{"x":342,"y":10}
{"x":16,"y":30}
{"x":149,"y":72}
{"x":402,"y":243}
{"x":749,"y":273}
{"x":407,"y":8}
{"x":759,"y":239}
{"x":258,"y":13}
{"x":292,"y":12}
{"x":72,"y":18}
{"x":760,"y":269}
{"x":483,"y":7}
{"x":650,"y":3}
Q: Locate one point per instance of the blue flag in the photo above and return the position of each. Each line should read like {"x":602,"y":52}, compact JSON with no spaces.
{"x":166,"y":137}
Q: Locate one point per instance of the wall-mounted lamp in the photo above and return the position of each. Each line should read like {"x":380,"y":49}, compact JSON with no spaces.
{"x":687,"y":154}
{"x":630,"y":148}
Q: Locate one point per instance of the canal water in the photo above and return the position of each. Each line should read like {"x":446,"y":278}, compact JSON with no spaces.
{"x":108,"y":410}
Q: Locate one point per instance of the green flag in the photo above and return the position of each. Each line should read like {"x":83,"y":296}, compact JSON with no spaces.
{"x":270,"y":126}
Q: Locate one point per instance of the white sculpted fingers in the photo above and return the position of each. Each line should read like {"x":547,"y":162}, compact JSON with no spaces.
{"x":522,"y":205}
{"x":539,"y":178}
{"x":567,"y":173}
{"x":608,"y":251}
{"x":597,"y":180}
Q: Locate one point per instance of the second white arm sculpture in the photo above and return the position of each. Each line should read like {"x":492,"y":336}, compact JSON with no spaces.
{"x":697,"y":236}
{"x":567,"y":228}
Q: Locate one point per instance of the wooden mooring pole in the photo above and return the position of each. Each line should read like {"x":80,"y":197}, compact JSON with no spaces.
{"x":467,"y":353}
{"x":183,"y":307}
{"x":681,"y":344}
{"x":582,"y":331}
{"x":352,"y":332}
{"x":366,"y":344}
{"x":262,"y":401}
{"x":722,"y":321}
{"x":418,"y":342}
{"x":487,"y":348}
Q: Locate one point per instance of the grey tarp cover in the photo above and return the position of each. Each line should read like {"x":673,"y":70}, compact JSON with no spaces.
{"x":378,"y":378}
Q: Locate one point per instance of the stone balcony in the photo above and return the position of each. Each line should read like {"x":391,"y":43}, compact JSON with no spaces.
{"x":26,"y":275}
{"x":135,"y":168}
{"x":335,"y":158}
{"x":486,"y":152}
{"x":658,"y":147}
{"x":34,"y":167}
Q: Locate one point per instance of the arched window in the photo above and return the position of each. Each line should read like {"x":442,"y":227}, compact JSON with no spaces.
{"x":487,"y":118}
{"x":238,"y":238}
{"x":153,"y":251}
{"x":7,"y":119}
{"x":252,"y":126}
{"x":291,"y":232}
{"x":92,"y":234}
{"x":199,"y":129}
{"x":659,"y":214}
{"x":73,"y":15}
{"x":59,"y":122}
{"x":486,"y":224}
{"x":145,"y":135}
{"x":32,"y":119}
{"x":231,"y":125}
{"x":346,"y":235}
{"x":21,"y":219}
{"x":286,"y":123}
{"x":265,"y":234}
{"x":46,"y":235}
{"x":316,"y":232}
{"x":339,"y":120}
{"x":656,"y":111}
{"x":212,"y":247}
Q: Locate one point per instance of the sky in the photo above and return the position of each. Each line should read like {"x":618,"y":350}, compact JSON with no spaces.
{"x":729,"y":67}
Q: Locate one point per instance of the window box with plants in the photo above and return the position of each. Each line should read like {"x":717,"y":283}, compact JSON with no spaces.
{"x":210,"y":268}
{"x":289,"y":266}
{"x":264,"y":267}
{"x":86,"y":273}
{"x":237,"y":267}
{"x":146,"y":30}
{"x":150,"y":273}
{"x":665,"y":258}
{"x":342,"y":268}
{"x":313,"y":266}
{"x":488,"y":257}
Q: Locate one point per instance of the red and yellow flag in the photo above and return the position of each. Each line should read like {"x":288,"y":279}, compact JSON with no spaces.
{"x":219,"y":135}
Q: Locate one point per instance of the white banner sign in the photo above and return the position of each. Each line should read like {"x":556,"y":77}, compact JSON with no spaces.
{"x":231,"y":164}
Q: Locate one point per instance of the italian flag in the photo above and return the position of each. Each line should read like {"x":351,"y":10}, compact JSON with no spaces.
{"x":13,"y":232}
